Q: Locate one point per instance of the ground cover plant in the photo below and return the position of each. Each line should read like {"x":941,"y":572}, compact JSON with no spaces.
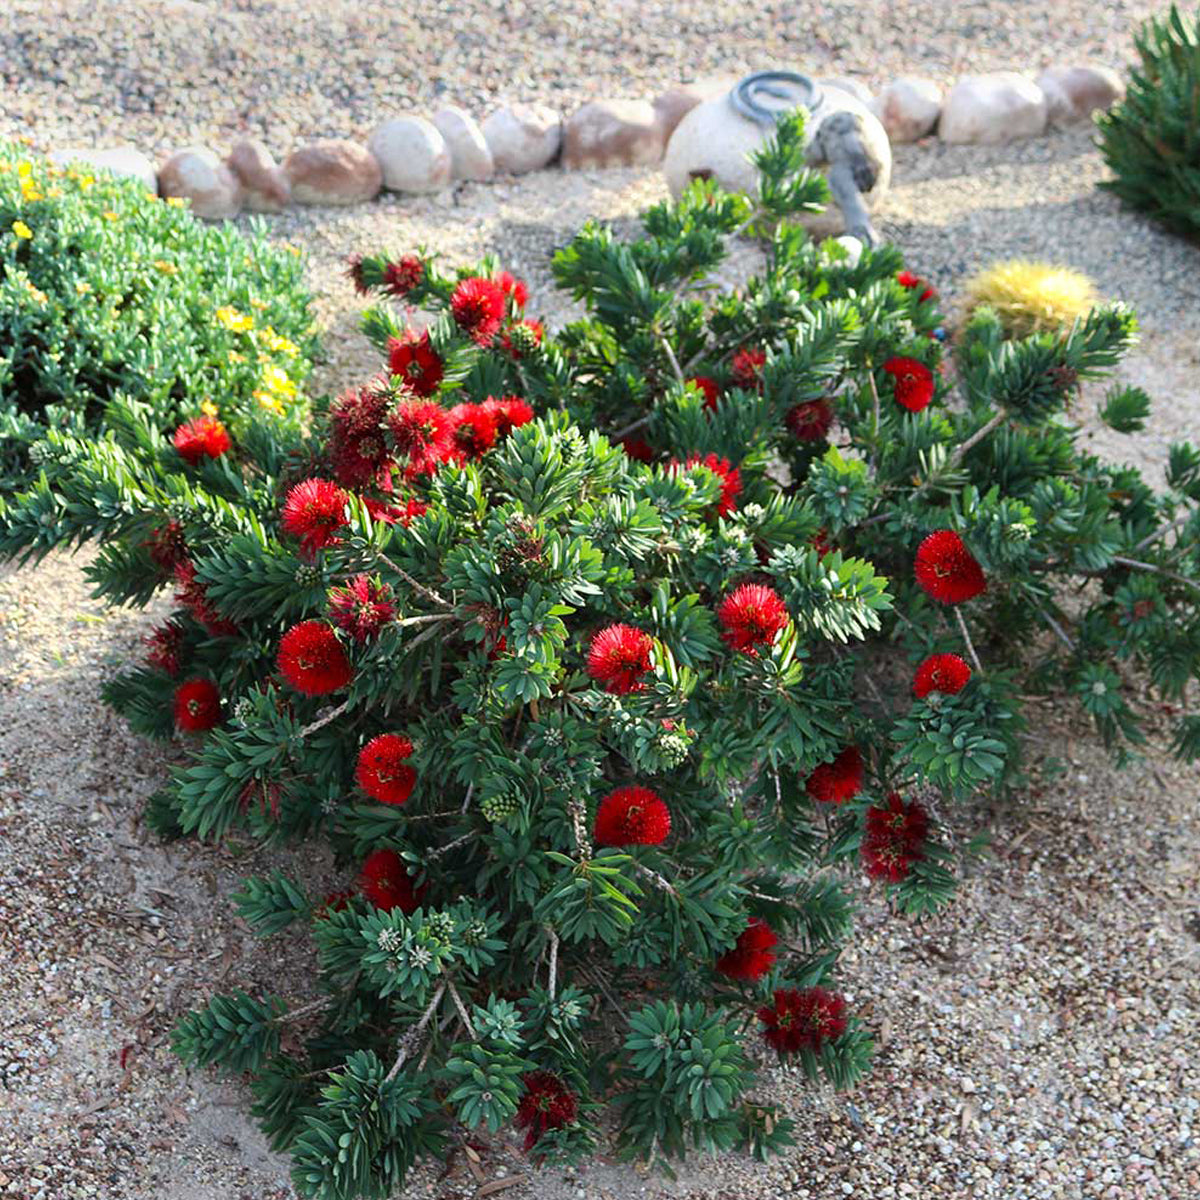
{"x":1151,"y":139}
{"x":604,"y":657}
{"x":109,"y":294}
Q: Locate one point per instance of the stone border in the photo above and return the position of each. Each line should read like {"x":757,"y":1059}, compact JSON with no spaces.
{"x":416,"y":155}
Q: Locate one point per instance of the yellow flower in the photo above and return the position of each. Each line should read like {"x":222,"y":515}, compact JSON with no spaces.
{"x":82,"y":287}
{"x":31,"y":194}
{"x":233,"y":320}
{"x":235,"y":357}
{"x":21,"y":230}
{"x":269,"y":402}
{"x":54,"y":193}
{"x":37,"y":294}
{"x":24,"y":139}
{"x":24,"y":169}
{"x":291,"y":249}
{"x":109,"y":215}
{"x":275,"y":379}
{"x":176,"y":201}
{"x":167,"y":268}
{"x":86,"y":181}
{"x":278,"y":343}
{"x":258,"y":304}
{"x":208,"y":408}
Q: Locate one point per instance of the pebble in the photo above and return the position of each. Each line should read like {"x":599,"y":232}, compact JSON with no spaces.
{"x":412,"y":155}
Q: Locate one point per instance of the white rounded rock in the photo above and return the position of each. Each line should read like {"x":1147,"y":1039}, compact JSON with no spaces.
{"x":333,"y":171}
{"x":908,"y":108}
{"x":197,"y":175}
{"x":470,"y":157}
{"x":989,"y":109}
{"x":118,"y":160}
{"x":523,"y":137}
{"x":1074,"y":93}
{"x":412,"y":155}
{"x":854,"y":87}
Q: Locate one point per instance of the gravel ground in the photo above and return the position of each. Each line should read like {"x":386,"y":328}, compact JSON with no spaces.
{"x":1038,"y":1040}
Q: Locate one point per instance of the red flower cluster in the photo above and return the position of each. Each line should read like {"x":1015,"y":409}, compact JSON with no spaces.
{"x":637,"y":448}
{"x":312,"y":660}
{"x":745,"y":368}
{"x":730,"y":478}
{"x":164,"y":648}
{"x":547,"y":1104}
{"x":837,"y":781}
{"x":912,"y":382}
{"x":618,"y":658}
{"x":803,"y":1019}
{"x":710,"y":388}
{"x":355,"y":273}
{"x":514,"y":289}
{"x":477,"y":306}
{"x":945,"y":673}
{"x":522,"y":337}
{"x":386,"y":883}
{"x":906,"y":279}
{"x":383,"y":771}
{"x":203,"y":437}
{"x":422,"y":433}
{"x":632,"y":816}
{"x":197,"y":705}
{"x":947,"y":570}
{"x":394,"y":514}
{"x":357,"y":447}
{"x":508,"y":412}
{"x":473,"y":430}
{"x":361,"y":608}
{"x":750,"y":616}
{"x":809,"y":422}
{"x":193,"y":595}
{"x":313,"y":512}
{"x":399,"y":278}
{"x":893,"y":838}
{"x":754,"y":954}
{"x":413,"y":358}
{"x":167,"y":547}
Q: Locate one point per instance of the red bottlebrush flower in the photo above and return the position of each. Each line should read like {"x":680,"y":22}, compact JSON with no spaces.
{"x":164,"y":648}
{"x":750,"y":616}
{"x":893,"y":837}
{"x":193,"y":595}
{"x":912,"y":382}
{"x":753,"y":955}
{"x":354,"y":273}
{"x":522,"y":337}
{"x":334,"y":902}
{"x":730,"y":477}
{"x":399,"y":278}
{"x":508,"y":413}
{"x":474,"y":431}
{"x":618,"y":658}
{"x":947,"y":570}
{"x":313,"y":511}
{"x":547,"y":1104}
{"x":394,"y":514}
{"x":820,"y":543}
{"x":514,"y":289}
{"x":386,"y":883}
{"x":312,"y":660}
{"x":906,"y":279}
{"x":803,"y":1019}
{"x":413,"y":358}
{"x":745,"y":368}
{"x":382,"y":771}
{"x":837,"y":781}
{"x":267,"y":795}
{"x":197,"y":705}
{"x":637,"y":449}
{"x":167,"y":547}
{"x":423,"y":433}
{"x":945,"y":673}
{"x":810,"y":422}
{"x":357,"y":446}
{"x":361,"y":608}
{"x":477,"y":306}
{"x":632,"y":816}
{"x":709,"y":387}
{"x":203,"y":437}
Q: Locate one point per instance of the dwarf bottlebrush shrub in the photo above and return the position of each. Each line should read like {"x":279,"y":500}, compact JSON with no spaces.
{"x":1151,"y":139}
{"x":595,"y":654}
{"x":108,"y":293}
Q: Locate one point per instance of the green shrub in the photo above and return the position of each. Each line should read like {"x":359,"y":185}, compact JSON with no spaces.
{"x":598,"y":706}
{"x":1151,"y":140}
{"x":108,"y":294}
